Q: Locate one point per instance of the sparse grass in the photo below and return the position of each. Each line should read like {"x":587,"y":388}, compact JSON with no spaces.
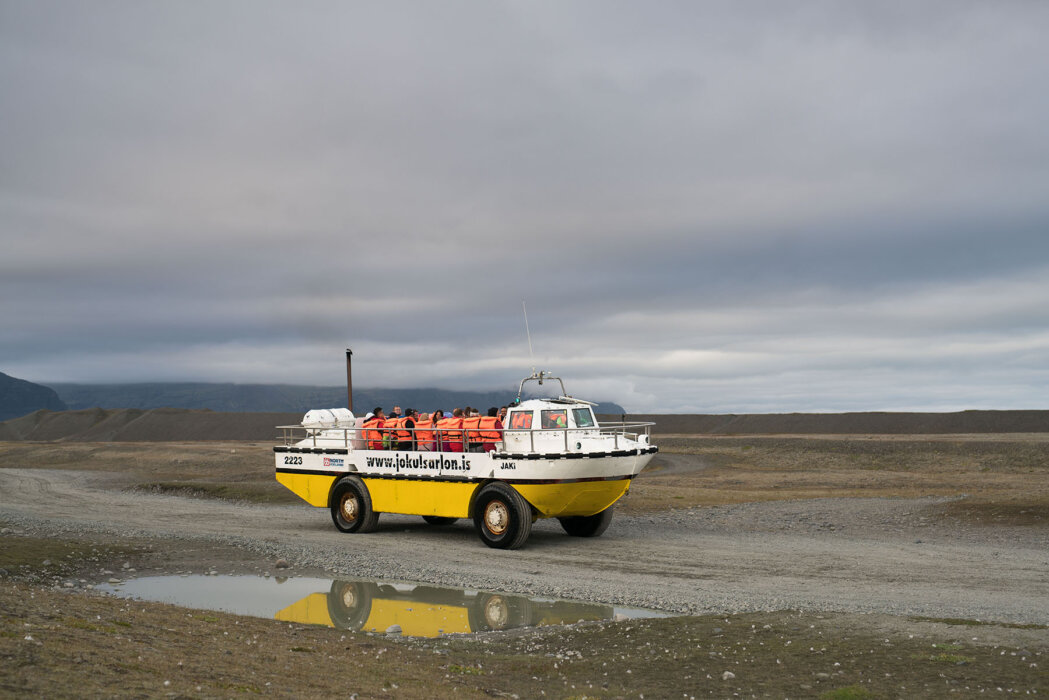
{"x":947,"y":647}
{"x":954,"y":659}
{"x":47,"y":557}
{"x":782,"y":654}
{"x":978,"y":623}
{"x":81,"y":637}
{"x":1007,"y":475}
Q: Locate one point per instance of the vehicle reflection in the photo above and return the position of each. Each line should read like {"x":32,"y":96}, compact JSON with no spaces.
{"x":429,"y":611}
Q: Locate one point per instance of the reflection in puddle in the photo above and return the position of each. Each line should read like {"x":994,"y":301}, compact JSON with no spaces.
{"x":370,"y":606}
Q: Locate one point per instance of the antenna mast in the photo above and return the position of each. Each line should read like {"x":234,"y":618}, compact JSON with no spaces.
{"x":529,"y":334}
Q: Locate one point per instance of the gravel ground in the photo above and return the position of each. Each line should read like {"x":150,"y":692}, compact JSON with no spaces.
{"x":887,"y":556}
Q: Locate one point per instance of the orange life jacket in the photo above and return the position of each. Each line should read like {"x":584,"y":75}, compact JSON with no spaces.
{"x":401,"y":432}
{"x":424,"y":431}
{"x":373,"y":433}
{"x":391,"y":425}
{"x":470,"y":425}
{"x":451,"y":429}
{"x":491,"y":429}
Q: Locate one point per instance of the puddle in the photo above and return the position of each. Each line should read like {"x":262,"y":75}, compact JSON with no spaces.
{"x":370,"y":606}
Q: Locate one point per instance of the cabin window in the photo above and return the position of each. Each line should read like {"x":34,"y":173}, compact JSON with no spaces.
{"x":520,"y":420}
{"x":555,"y":419}
{"x":583,"y":417}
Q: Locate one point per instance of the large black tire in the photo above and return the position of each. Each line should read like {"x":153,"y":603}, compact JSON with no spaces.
{"x":351,"y":506}
{"x":587,"y":525}
{"x":350,"y":603}
{"x":502,"y":517}
{"x":439,"y":520}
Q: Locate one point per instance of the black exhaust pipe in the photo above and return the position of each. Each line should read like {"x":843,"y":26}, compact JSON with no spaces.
{"x":349,"y":380}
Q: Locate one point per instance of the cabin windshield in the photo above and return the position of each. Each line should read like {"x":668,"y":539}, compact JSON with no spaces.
{"x":584,"y":418}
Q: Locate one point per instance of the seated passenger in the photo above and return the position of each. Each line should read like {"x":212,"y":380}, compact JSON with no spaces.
{"x":424,"y":432}
{"x":404,"y":431}
{"x":450,"y":432}
{"x":373,"y":428}
{"x":491,"y":430}
{"x":471,"y":425}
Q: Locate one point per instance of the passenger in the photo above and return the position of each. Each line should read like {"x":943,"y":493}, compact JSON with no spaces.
{"x":470,"y":427}
{"x":502,"y":413}
{"x":361,"y":433}
{"x":396,"y":412}
{"x":373,"y":428}
{"x":435,"y":418}
{"x":404,"y":431}
{"x":491,"y":430}
{"x":424,"y":433}
{"x":451,"y":432}
{"x":389,"y":430}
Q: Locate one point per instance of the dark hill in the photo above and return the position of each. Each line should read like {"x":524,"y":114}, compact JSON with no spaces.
{"x":275,"y":397}
{"x":19,"y":397}
{"x":183,"y":425}
{"x":154,"y":425}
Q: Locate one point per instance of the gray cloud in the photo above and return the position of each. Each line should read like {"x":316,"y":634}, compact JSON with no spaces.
{"x":717,"y":206}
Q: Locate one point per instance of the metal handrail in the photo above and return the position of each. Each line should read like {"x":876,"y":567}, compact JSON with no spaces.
{"x":617,"y":430}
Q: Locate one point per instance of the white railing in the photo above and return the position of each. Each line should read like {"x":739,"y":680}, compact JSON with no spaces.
{"x":355,"y":437}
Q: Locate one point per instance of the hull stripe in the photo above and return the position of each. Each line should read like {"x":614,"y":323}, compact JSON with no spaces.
{"x":313,"y":450}
{"x":460,"y":479}
{"x":495,"y":455}
{"x":574,"y":455}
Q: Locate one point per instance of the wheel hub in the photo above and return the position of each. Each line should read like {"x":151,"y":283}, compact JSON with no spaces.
{"x":348,"y":507}
{"x":496,"y":517}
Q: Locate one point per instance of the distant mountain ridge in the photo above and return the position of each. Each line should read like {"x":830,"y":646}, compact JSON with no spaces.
{"x":19,"y":397}
{"x":195,"y":425}
{"x":857,"y":423}
{"x":281,"y":398}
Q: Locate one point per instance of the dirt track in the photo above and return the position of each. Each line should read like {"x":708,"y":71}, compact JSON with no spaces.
{"x":857,"y":555}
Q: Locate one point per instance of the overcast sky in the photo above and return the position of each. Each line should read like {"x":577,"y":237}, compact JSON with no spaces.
{"x":707,"y":206}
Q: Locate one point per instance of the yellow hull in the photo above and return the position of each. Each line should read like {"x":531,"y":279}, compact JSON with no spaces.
{"x":312,"y":488}
{"x":426,"y":611}
{"x":417,"y":619}
{"x":452,"y":499}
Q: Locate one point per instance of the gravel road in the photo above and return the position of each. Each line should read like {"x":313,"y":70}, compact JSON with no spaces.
{"x":852,"y":555}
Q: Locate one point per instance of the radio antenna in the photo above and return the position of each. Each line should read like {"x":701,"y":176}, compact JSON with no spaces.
{"x":529,"y":334}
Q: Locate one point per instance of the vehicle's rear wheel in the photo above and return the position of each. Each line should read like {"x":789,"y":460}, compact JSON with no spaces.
{"x":439,"y":520}
{"x":587,"y":525}
{"x":502,"y":517}
{"x":351,"y":506}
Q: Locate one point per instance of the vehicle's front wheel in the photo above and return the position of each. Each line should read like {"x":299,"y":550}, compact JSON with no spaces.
{"x":502,"y":516}
{"x":587,"y":525}
{"x":351,"y":506}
